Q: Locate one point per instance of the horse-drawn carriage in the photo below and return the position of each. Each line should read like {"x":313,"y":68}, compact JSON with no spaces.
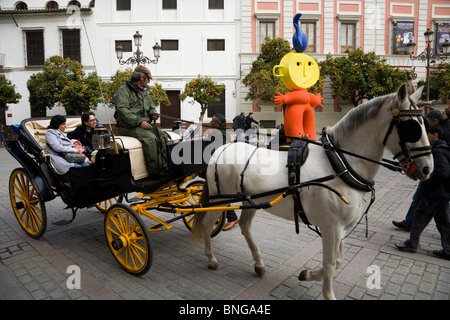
{"x":343,"y":163}
{"x":117,"y":170}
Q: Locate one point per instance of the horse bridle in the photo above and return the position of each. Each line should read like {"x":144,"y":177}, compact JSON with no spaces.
{"x":408,"y":131}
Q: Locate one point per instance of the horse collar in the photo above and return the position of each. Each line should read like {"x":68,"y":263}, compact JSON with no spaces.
{"x":342,"y":167}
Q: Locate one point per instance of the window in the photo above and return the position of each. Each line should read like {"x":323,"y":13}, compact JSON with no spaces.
{"x":403,"y":33}
{"x":75,"y":3}
{"x":35,"y":47}
{"x":127,"y":45}
{"x":215,"y":4}
{"x":216,"y":45}
{"x":169,"y":45}
{"x":21,"y":6}
{"x":442,"y":35}
{"x":169,"y":4}
{"x":218,"y":107}
{"x":348,"y":36}
{"x":71,"y":44}
{"x":52,"y":5}
{"x":123,"y":5}
{"x":266,"y":30}
{"x":309,"y":28}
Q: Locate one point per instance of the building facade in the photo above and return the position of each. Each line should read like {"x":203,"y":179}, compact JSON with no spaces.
{"x":214,"y":38}
{"x":197,"y":37}
{"x":334,"y":26}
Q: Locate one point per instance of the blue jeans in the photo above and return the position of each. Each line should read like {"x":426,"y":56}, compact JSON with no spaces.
{"x":416,"y":200}
{"x":84,"y":164}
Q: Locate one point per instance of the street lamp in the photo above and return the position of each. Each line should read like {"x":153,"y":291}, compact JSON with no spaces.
{"x":138,"y":56}
{"x":430,"y":55}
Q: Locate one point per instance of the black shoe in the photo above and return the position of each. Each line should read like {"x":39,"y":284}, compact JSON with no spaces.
{"x":400,"y":225}
{"x":441,"y":254}
{"x":404,"y":246}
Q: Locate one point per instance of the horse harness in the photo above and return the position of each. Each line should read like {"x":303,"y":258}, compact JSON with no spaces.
{"x":408,"y":130}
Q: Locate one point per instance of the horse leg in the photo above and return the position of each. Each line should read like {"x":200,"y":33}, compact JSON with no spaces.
{"x":203,"y":224}
{"x":245,"y":222}
{"x":208,"y":224}
{"x":332,"y":258}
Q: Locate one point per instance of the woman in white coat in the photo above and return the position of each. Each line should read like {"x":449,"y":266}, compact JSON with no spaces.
{"x":56,"y":142}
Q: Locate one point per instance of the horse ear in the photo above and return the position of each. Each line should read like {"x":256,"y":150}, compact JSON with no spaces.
{"x":402,"y":92}
{"x":416,"y":95}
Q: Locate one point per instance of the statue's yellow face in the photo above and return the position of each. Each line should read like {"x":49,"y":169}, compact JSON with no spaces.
{"x":297,"y":71}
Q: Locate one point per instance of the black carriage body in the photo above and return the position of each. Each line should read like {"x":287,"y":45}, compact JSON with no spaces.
{"x":188,"y":157}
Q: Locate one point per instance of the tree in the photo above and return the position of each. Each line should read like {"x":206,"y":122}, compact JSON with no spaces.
{"x":204,"y":91}
{"x":439,"y":82}
{"x":8,"y":93}
{"x":63,"y":81}
{"x":261,"y":82}
{"x":157,"y":93}
{"x":360,"y":76}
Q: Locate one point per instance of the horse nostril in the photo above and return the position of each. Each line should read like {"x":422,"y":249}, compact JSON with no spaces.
{"x":426,"y":170}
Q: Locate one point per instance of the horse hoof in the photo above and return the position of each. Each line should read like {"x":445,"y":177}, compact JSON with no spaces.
{"x":214,"y":266}
{"x":260,"y":271}
{"x":303,"y":276}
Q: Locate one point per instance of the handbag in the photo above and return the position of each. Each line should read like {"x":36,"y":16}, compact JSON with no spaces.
{"x":74,"y":157}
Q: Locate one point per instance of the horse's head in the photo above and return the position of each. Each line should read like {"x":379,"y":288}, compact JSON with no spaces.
{"x":406,"y":136}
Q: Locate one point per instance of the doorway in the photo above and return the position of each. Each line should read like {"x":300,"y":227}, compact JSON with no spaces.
{"x":172,"y":111}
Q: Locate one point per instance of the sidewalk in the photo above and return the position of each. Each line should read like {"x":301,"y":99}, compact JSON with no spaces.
{"x":38,"y":269}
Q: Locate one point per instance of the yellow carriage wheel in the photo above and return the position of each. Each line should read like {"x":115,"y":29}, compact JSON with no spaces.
{"x":196,"y":193}
{"x":128,"y":239}
{"x":105,"y":205}
{"x":27,"y":205}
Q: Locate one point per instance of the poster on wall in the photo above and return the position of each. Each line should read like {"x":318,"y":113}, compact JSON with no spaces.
{"x":403,"y":34}
{"x":442,"y":35}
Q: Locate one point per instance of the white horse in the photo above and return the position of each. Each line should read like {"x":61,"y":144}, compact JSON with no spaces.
{"x":365,"y":130}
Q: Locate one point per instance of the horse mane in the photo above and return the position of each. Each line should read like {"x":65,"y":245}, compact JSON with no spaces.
{"x":357,"y":117}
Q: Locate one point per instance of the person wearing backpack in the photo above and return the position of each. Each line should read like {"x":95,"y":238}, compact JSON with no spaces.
{"x":435,"y":198}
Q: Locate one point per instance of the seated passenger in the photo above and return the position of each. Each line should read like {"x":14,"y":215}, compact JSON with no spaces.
{"x":57,"y":143}
{"x":85,"y":131}
{"x":77,"y":145}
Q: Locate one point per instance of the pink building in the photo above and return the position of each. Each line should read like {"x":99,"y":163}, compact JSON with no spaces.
{"x":333,"y":26}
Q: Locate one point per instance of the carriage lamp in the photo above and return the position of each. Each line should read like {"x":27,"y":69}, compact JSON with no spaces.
{"x":429,"y":55}
{"x":138,"y":56}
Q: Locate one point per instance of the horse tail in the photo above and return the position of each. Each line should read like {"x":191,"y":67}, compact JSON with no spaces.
{"x":198,"y":231}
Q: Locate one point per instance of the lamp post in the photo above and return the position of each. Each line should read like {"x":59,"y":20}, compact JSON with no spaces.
{"x":138,"y":56}
{"x":429,"y":55}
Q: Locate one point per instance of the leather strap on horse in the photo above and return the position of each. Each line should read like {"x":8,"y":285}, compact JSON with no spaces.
{"x":342,"y":167}
{"x":297,"y":155}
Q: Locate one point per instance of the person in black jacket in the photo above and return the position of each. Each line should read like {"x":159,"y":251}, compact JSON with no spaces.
{"x":85,"y":132}
{"x":435,"y":198}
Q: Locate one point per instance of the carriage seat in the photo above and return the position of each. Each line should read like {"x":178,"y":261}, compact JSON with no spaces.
{"x":37,"y":128}
{"x":137,"y":159}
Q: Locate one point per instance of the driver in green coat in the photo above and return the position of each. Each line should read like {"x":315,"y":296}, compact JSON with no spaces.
{"x":134,"y":114}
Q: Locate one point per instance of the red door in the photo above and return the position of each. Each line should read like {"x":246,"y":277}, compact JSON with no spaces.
{"x":172,"y":111}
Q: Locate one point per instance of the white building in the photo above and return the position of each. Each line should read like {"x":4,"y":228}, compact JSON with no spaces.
{"x":198,"y":37}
